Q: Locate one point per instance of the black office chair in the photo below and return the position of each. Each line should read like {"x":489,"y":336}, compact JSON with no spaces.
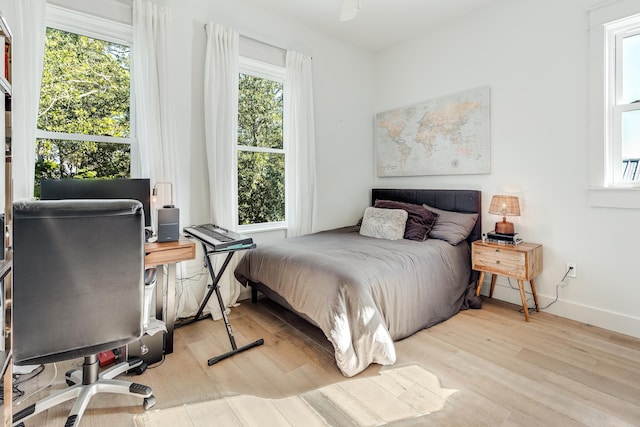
{"x":78,"y":290}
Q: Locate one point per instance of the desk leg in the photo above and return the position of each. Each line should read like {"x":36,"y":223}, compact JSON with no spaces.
{"x":166,"y":302}
{"x":169,"y":311}
{"x":160,"y":288}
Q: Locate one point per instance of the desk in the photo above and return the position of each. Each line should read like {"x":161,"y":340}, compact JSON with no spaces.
{"x":168,"y":253}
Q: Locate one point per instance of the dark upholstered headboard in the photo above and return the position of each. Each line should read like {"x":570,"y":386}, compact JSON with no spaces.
{"x":467,"y":201}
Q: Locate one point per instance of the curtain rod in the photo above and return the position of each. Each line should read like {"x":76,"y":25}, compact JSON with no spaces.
{"x":264,"y":43}
{"x":282,"y":49}
{"x":257,"y":41}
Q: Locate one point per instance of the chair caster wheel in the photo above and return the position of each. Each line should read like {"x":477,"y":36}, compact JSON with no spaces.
{"x":139,"y":370}
{"x":149,"y":402}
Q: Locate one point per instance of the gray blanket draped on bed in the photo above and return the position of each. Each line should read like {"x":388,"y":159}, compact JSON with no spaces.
{"x":363,"y":292}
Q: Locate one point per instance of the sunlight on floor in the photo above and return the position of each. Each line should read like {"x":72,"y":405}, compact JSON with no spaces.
{"x":396,"y":394}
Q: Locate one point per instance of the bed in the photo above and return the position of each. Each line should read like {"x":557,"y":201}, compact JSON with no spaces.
{"x":364,"y":293}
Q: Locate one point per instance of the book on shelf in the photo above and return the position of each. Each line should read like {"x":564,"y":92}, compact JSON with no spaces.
{"x":4,"y":58}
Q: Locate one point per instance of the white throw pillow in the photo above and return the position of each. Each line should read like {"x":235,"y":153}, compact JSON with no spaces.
{"x":384,"y":223}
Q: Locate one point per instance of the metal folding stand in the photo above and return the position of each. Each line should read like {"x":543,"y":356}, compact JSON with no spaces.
{"x":214,"y":287}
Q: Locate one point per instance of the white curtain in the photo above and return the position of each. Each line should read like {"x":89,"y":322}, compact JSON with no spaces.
{"x":299,"y":131}
{"x":221,"y":134}
{"x":155,"y":126}
{"x":155,"y":129}
{"x":27,"y":21}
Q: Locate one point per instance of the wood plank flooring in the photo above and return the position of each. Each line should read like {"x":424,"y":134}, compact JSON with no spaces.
{"x":550,"y":371}
{"x":396,"y":394}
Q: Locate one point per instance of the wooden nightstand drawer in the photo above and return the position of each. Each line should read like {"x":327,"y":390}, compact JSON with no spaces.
{"x":523,"y":261}
{"x":499,"y":261}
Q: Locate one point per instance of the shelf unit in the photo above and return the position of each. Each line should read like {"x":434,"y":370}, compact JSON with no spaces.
{"x":6,"y":186}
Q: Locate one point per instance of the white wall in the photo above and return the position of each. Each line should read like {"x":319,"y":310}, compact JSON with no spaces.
{"x":533,"y":54}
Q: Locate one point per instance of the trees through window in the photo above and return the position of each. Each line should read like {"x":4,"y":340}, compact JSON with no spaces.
{"x":84,"y":119}
{"x":260,"y":149}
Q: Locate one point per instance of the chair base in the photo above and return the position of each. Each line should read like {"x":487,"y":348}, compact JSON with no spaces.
{"x":84,"y":384}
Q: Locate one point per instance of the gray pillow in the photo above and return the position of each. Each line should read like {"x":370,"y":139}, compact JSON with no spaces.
{"x":384,"y":223}
{"x":452,"y":227}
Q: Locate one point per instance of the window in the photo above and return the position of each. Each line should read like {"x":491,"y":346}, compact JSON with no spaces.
{"x":261,"y":150}
{"x":614,"y":113}
{"x":623,"y":103}
{"x":84,"y":119}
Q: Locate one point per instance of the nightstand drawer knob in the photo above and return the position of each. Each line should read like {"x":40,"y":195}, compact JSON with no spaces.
{"x":498,"y":261}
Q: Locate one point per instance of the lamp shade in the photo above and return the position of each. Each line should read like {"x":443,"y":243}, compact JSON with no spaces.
{"x":505,"y":205}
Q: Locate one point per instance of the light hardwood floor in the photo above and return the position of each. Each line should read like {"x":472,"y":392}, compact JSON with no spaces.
{"x":550,"y":371}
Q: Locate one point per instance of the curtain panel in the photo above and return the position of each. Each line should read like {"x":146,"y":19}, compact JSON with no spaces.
{"x":221,"y":134}
{"x":155,"y":128}
{"x":299,"y":131}
{"x":27,"y":21}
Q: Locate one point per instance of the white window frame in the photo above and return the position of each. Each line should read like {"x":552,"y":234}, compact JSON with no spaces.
{"x":103,"y":29}
{"x":608,"y":19}
{"x":268,"y":71}
{"x":616,"y":33}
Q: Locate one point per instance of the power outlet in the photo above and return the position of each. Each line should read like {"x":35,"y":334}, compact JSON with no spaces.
{"x":571,"y":267}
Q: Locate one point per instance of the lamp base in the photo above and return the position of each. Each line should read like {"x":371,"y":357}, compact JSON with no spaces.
{"x":504,"y":227}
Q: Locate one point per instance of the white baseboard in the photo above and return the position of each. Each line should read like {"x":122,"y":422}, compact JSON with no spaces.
{"x":617,"y":322}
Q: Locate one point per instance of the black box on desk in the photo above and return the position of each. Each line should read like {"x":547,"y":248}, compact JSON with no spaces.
{"x":149,"y":348}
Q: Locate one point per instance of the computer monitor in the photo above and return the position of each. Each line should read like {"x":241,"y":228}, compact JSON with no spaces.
{"x":136,"y":189}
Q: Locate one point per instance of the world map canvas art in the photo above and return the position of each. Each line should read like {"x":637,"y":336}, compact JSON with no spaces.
{"x":450,"y":135}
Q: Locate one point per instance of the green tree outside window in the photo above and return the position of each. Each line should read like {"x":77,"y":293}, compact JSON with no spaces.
{"x":85,"y":91}
{"x":261,"y":159}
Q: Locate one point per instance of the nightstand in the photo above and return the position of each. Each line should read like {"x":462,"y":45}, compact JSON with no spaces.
{"x":521,"y":262}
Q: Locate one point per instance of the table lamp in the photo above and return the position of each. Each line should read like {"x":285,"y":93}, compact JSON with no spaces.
{"x":154,"y":193}
{"x":505,"y":206}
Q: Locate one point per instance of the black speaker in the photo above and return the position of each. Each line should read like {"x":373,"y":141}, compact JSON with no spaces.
{"x":168,"y":224}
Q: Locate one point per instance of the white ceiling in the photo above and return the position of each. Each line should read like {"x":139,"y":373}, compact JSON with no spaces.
{"x":379,"y":23}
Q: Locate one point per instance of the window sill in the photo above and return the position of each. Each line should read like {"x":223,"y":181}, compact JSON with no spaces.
{"x":618,"y":197}
{"x":257,"y":228}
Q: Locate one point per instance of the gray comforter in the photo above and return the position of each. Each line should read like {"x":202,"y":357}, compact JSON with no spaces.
{"x":363,"y":292}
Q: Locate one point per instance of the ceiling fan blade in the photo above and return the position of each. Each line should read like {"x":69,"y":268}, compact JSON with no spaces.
{"x":349,"y":10}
